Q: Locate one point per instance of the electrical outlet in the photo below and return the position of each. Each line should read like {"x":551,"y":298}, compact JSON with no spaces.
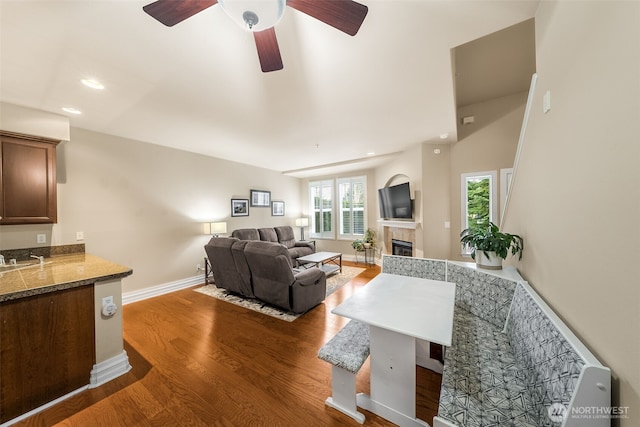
{"x":107,"y":300}
{"x":41,"y":238}
{"x":79,"y":235}
{"x":197,"y":267}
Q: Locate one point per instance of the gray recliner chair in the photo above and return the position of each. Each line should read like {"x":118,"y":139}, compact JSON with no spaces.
{"x":229,"y":266}
{"x":275,"y":281}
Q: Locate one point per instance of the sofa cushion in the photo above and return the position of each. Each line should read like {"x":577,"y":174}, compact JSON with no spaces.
{"x":549,"y":365}
{"x":286,"y":236}
{"x":481,"y":382}
{"x":246,"y":234}
{"x":434,"y":269}
{"x":482,"y":294}
{"x":268,"y":234}
{"x":298,"y":251}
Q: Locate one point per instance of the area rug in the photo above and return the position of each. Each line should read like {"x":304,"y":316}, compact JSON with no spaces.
{"x":334,"y":283}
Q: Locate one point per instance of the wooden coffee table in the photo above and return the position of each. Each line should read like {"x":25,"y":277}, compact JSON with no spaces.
{"x":329,"y":262}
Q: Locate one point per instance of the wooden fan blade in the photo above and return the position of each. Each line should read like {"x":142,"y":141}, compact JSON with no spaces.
{"x":345,"y":15}
{"x":268,"y":50}
{"x":172,"y":12}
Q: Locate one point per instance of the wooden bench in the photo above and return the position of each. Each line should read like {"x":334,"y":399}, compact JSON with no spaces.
{"x":513,"y":361}
{"x":347,"y":352}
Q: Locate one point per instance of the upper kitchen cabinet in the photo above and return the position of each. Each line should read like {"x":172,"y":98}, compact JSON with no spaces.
{"x":27,"y":180}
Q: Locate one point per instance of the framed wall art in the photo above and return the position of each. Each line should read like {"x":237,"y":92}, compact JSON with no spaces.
{"x":239,"y":207}
{"x":260,"y":198}
{"x":277,"y":208}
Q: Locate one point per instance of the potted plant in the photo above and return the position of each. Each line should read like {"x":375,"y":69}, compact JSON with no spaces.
{"x":358,"y":245}
{"x":489,"y":246}
{"x":369,"y":239}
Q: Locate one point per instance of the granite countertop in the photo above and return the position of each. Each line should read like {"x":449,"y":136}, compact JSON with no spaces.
{"x":57,"y":273}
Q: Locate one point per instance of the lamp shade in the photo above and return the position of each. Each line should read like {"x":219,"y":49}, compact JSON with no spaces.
{"x":302,"y":222}
{"x":215,"y":227}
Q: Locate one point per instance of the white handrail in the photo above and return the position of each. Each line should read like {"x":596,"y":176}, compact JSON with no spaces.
{"x":523,"y":131}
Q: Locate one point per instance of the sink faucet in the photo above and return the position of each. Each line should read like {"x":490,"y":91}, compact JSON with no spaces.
{"x":39,"y":258}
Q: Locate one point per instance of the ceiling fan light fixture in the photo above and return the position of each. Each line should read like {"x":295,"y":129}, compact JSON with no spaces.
{"x":250,"y":18}
{"x":254,"y":15}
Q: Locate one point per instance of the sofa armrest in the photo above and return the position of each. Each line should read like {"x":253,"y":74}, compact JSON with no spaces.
{"x":305,"y":244}
{"x":310,"y":276}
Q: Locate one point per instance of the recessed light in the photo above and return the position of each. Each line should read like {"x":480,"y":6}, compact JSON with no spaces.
{"x":71,"y":110}
{"x":444,"y":135}
{"x":93,"y":84}
{"x":371,"y":153}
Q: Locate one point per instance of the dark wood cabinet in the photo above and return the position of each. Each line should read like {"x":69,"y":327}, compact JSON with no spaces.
{"x":27,"y":180}
{"x":47,"y":348}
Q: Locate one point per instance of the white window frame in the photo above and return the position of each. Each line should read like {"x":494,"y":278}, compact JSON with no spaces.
{"x":493,"y":200}
{"x":339,"y":209}
{"x":323,"y":234}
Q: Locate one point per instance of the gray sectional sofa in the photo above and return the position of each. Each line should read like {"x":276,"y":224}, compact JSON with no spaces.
{"x":283,"y":235}
{"x":263,"y":270}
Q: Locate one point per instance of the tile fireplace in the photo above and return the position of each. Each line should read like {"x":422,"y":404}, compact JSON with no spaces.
{"x":400,"y":238}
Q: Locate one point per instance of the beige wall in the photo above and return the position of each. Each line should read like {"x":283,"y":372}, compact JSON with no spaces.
{"x":575,"y":198}
{"x":436,"y":200}
{"x":142,"y":205}
{"x":489,"y":144}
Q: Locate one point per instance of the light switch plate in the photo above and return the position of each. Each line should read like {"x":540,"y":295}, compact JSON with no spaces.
{"x":546,"y":102}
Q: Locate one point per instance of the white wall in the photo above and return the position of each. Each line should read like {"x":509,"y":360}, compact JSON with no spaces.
{"x":576,"y":200}
{"x":143,"y":205}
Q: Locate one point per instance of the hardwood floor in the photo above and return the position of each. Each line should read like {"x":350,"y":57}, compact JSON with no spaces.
{"x":198,"y":361}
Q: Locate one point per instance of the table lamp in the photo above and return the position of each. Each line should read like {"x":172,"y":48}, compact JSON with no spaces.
{"x":215,"y":228}
{"x":302,"y":223}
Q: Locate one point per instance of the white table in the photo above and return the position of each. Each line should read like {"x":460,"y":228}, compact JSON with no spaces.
{"x":329,"y":262}
{"x":399,"y":309}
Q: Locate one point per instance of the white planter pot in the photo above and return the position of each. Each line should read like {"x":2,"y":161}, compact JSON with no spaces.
{"x":492,"y":262}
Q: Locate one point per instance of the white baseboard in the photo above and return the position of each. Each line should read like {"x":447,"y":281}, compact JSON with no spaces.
{"x":109,"y":369}
{"x":430,"y":364}
{"x":43,"y":407}
{"x":101,"y":373}
{"x":154,"y":291}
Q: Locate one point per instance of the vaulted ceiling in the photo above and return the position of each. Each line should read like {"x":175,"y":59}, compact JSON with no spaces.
{"x":198,"y":86}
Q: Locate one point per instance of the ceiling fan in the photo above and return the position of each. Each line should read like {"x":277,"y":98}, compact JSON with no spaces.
{"x":260,"y":16}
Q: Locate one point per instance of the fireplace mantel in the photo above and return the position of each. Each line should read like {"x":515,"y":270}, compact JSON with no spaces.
{"x":399,"y":224}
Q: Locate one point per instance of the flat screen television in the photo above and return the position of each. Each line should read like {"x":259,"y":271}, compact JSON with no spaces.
{"x":395,"y":202}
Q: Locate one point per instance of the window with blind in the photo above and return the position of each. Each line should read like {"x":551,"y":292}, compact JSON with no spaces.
{"x":321,"y":207}
{"x":343,"y":199}
{"x":351,"y":193}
